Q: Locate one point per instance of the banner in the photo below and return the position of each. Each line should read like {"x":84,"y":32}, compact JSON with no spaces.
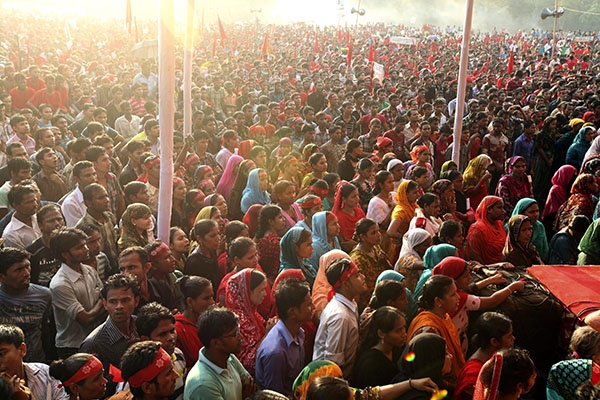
{"x":403,"y":40}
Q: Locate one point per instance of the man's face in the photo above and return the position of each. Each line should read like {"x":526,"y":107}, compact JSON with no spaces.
{"x":18,"y":152}
{"x":46,"y":113}
{"x":89,"y":113}
{"x":102,"y":118}
{"x":94,"y":243}
{"x":165,"y":334}
{"x":100,"y":201}
{"x":78,"y":253}
{"x":17,"y":277}
{"x":164,"y":384}
{"x":120,"y":304}
{"x":231,"y":341}
{"x":165,"y":263}
{"x":21,"y":127}
{"x":86,"y":177}
{"x":11,"y":358}
{"x":28,"y":206}
{"x":132,"y":265}
{"x":47,"y":138}
{"x":49,"y":160}
{"x":102,"y":164}
{"x":22,"y":175}
{"x":154,"y":132}
{"x":51,"y":221}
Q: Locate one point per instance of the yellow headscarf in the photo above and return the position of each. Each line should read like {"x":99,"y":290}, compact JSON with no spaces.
{"x":475,"y":170}
{"x":404,"y":209}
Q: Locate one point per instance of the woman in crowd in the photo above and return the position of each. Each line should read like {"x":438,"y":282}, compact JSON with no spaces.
{"x":564,"y":245}
{"x":514,"y":185}
{"x":178,"y":214}
{"x":380,"y":206}
{"x":232,"y":231}
{"x":318,"y":168}
{"x":543,"y":158}
{"x":476,"y":179}
{"x":346,"y":209}
{"x":581,"y":367}
{"x":198,"y":297}
{"x":239,"y":185}
{"x":404,"y":211}
{"x":252,"y":219}
{"x":309,"y":205}
{"x":245,"y":291}
{"x":296,"y":248}
{"x":440,"y":297}
{"x":444,"y":189}
{"x":256,"y":190}
{"x":137,"y":220}
{"x":364,"y":173}
{"x":581,"y":201}
{"x":426,"y":216}
{"x":284,"y":192}
{"x":464,"y":213}
{"x":494,"y":332}
{"x":377,"y":360}
{"x":529,"y":207}
{"x":81,"y":375}
{"x":187,"y":171}
{"x":228,"y":178}
{"x":325,"y":231}
{"x":432,"y":257}
{"x":258,"y":156}
{"x":204,"y":172}
{"x":218,"y":201}
{"x":507,"y":375}
{"x":346,"y":167}
{"x":559,"y":193}
{"x":267,"y":238}
{"x":179,"y":243}
{"x":321,"y":289}
{"x":426,"y":355}
{"x":486,"y":237}
{"x":289,"y":170}
{"x":203,"y":261}
{"x":368,"y":256}
{"x":245,"y":148}
{"x":396,"y":168}
{"x":410,"y":262}
{"x":332,"y":180}
{"x":581,"y":144}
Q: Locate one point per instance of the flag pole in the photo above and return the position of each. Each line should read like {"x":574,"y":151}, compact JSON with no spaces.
{"x":188,"y":53}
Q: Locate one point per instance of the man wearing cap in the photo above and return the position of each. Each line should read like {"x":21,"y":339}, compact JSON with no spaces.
{"x":230,"y":143}
{"x":337,"y":336}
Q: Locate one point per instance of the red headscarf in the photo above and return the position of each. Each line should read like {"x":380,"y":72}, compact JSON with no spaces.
{"x":251,"y":218}
{"x":485,"y":238}
{"x":453,"y":267}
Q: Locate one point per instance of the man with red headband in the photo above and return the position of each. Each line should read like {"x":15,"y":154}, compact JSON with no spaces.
{"x":149,"y":371}
{"x":337,"y":336}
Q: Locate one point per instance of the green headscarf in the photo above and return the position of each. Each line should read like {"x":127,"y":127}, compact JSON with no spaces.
{"x":539,"y":238}
{"x":312,"y":371}
{"x":589,"y":246}
{"x":431,"y":258}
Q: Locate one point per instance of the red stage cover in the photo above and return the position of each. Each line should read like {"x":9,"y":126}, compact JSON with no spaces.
{"x":577,"y":287}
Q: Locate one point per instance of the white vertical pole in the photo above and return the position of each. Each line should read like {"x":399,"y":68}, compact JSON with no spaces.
{"x":462,"y":82}
{"x":188,"y":54}
{"x":166,"y":101}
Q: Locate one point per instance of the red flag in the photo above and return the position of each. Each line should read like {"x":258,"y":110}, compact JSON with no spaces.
{"x":265,"y":47}
{"x":221,"y":30}
{"x":214,"y":46}
{"x":339,"y":35}
{"x":511,"y":63}
{"x":372,"y":54}
{"x":128,"y":16}
{"x":350,"y":45}
{"x":316,"y":48}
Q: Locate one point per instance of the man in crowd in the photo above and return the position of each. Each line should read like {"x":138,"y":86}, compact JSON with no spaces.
{"x":21,"y":133}
{"x":44,"y":263}
{"x":19,"y":170}
{"x":73,"y":207}
{"x":49,"y":181}
{"x":23,"y":227}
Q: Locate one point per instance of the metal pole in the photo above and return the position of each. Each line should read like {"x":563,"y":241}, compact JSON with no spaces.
{"x":462,"y":83}
{"x":188,"y":53}
{"x":357,"y":14}
{"x":554,"y":30}
{"x":166,"y":79}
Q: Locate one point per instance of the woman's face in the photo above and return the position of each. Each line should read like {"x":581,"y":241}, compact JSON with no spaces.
{"x":496,"y":212}
{"x":423,"y":181}
{"x":333,"y":227}
{"x":372,"y":236}
{"x":292,"y":168}
{"x":261,"y":159}
{"x":221,"y":204}
{"x":211,"y":240}
{"x":263,"y":180}
{"x":397,"y":336}
{"x":507,"y":341}
{"x":400,"y":302}
{"x":458,"y":183}
{"x":388,"y":185}
{"x":449,"y":196}
{"x":433,"y":209}
{"x":217,"y":217}
{"x":366,"y":173}
{"x":463,"y":281}
{"x":284,"y":150}
{"x":142,"y":224}
{"x":179,"y":191}
{"x":288,"y":196}
{"x":525,"y":233}
{"x":424,"y":157}
{"x":321,"y":165}
{"x":519,"y":168}
{"x":412,"y":195}
{"x":259,"y":293}
{"x":398,"y":172}
{"x":278,"y":223}
{"x":93,"y":387}
{"x":180,"y":243}
{"x":457,"y":240}
{"x":203,"y":301}
{"x":449,"y":302}
{"x":248,"y":260}
{"x":533,"y":212}
{"x":304,"y":249}
{"x":353,"y":199}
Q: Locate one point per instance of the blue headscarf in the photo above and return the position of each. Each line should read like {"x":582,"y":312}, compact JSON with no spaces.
{"x":253,"y":194}
{"x":431,"y":258}
{"x":390,"y":275}
{"x":320,"y":243}
{"x":539,"y":238}
{"x":288,"y":258}
{"x":577,"y":150}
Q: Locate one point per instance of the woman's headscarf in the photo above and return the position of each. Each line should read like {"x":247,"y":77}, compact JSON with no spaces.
{"x":189,"y":160}
{"x":391,"y":275}
{"x":567,"y":375}
{"x":560,"y":189}
{"x":228,"y":178}
{"x":582,"y":183}
{"x":590,"y":242}
{"x":514,"y":228}
{"x":414,"y":153}
{"x":322,"y":287}
{"x":313,"y":370}
{"x":208,"y":200}
{"x":129,"y":233}
{"x":493,"y":234}
{"x":475,"y":170}
{"x":439,"y":187}
{"x":319,"y":238}
{"x":282,"y":141}
{"x":539,"y":238}
{"x":447,"y":166}
{"x":510,"y":163}
{"x":251,"y":218}
{"x":591,"y":164}
{"x":245,"y":147}
{"x":579,"y":147}
{"x":288,"y":258}
{"x":404,"y":209}
{"x":453,"y":267}
{"x":411,"y":239}
{"x":201,"y":172}
{"x":432,"y":257}
{"x":205,"y":213}
{"x":253,"y":194}
{"x":423,"y":357}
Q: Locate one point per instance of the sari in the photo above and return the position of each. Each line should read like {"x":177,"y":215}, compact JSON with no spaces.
{"x":511,"y":190}
{"x":288,"y":258}
{"x":404,"y":210}
{"x":577,"y":150}
{"x":322,"y":287}
{"x":251,"y":218}
{"x":347,"y":221}
{"x":319,"y":240}
{"x":580,"y":202}
{"x":485,"y":238}
{"x":253,"y":194}
{"x":371,"y":267}
{"x":559,"y":192}
{"x":129,"y":234}
{"x":472,"y":176}
{"x":228,"y":178}
{"x":516,"y":253}
{"x":408,"y":256}
{"x":252,"y":324}
{"x":539,"y":238}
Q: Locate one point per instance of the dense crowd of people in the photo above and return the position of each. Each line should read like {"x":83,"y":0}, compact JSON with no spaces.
{"x":323,"y":242}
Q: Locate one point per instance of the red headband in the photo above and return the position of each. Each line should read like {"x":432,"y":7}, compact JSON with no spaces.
{"x":90,"y":368}
{"x":319,"y":192}
{"x":306,"y":204}
{"x":352,"y":269}
{"x":151,"y":163}
{"x":330,"y":217}
{"x":159,"y":251}
{"x":161,"y":361}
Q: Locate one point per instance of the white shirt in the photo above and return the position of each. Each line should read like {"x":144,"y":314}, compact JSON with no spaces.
{"x":41,"y":384}
{"x":73,"y":207}
{"x":128,"y":129}
{"x":20,"y":235}
{"x":337,"y":336}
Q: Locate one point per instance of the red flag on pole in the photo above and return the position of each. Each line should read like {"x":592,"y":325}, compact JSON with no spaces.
{"x":339,"y":35}
{"x":372,"y":55}
{"x":265,"y":47}
{"x":316,"y":48}
{"x":221,"y":30}
{"x":350,"y":48}
{"x":128,"y":16}
{"x":214,"y":46}
{"x":511,"y":63}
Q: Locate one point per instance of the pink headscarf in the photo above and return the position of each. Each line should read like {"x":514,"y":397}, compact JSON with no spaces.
{"x":559,"y":193}
{"x":228,"y":178}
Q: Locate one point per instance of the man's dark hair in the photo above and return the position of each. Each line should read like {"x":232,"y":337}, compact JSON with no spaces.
{"x":12,"y":146}
{"x":132,"y":189}
{"x":17,"y":193}
{"x":137,"y":357}
{"x":94,"y":153}
{"x":88,"y":229}
{"x":121,"y":281}
{"x":214,"y":323}
{"x":140,"y":251}
{"x":80,"y":166}
{"x":42,"y":153}
{"x":289,"y":294}
{"x":150,"y":315}
{"x":18,"y":164}
{"x":64,"y":239}
{"x":11,"y":334}
{"x":16,"y":119}
{"x":90,"y":190}
{"x":199,"y":134}
{"x":10,"y":256}
{"x":78,"y":145}
{"x":48,"y":208}
{"x":134,"y":145}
